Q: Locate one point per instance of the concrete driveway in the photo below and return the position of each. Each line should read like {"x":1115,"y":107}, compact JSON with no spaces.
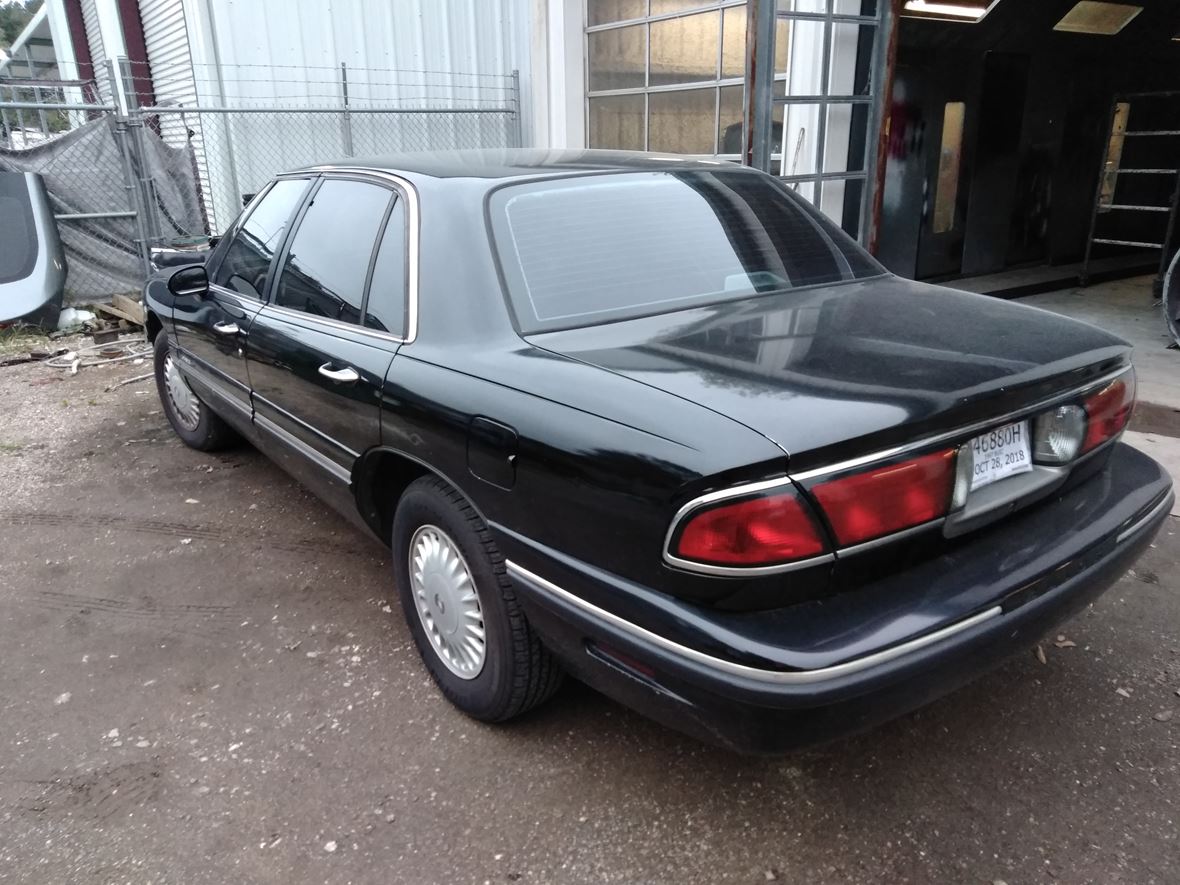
{"x":202,"y":679}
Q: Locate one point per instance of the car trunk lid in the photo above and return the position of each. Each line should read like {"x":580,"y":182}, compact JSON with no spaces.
{"x":835,"y":372}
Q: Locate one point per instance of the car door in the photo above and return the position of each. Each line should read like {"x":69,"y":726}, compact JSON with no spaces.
{"x":211,"y":330}
{"x":315,"y":369}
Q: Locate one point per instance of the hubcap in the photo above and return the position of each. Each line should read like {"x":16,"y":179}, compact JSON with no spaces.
{"x":447,"y":601}
{"x":185,"y":405}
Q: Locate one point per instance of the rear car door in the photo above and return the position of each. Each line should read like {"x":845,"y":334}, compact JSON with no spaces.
{"x":211,"y":330}
{"x":316,"y":370}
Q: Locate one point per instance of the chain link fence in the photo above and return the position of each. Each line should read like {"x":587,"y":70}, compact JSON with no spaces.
{"x":62,"y":131}
{"x":241,"y":125}
{"x":173,"y":161}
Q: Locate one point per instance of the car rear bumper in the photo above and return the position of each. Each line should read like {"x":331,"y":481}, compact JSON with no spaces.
{"x":736,"y":695}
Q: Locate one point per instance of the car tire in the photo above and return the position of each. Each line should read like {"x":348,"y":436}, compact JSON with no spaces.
{"x":194,"y":422}
{"x":443,"y":554}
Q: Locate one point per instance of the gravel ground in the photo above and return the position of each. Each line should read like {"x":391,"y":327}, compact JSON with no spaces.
{"x":203,"y":680}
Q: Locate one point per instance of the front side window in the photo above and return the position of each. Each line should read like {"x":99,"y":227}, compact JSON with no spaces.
{"x":595,"y":249}
{"x":325,"y":269}
{"x":247,"y":260}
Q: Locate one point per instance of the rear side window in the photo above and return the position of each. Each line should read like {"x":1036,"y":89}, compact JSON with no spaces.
{"x":325,"y":269}
{"x":387,"y":307}
{"x":246,"y":265}
{"x":595,"y":249}
{"x":17,"y":231}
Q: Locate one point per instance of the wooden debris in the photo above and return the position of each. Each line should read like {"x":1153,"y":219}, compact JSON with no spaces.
{"x":132,"y":309}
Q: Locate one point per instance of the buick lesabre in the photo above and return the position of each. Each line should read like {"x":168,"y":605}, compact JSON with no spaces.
{"x":658,"y":424}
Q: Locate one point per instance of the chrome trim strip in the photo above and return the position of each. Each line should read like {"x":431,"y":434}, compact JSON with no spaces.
{"x":243,"y":301}
{"x":313,"y":321}
{"x":738,"y":571}
{"x":319,"y":459}
{"x":968,"y":430}
{"x":204,"y":373}
{"x":774,"y":677}
{"x":1141,"y":522}
{"x":294,"y":419}
{"x":893,"y":536}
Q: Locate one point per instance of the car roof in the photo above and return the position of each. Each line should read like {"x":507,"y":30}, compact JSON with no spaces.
{"x":516,"y":163}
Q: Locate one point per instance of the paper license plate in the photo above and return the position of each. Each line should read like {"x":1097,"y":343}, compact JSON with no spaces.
{"x":1001,"y":453}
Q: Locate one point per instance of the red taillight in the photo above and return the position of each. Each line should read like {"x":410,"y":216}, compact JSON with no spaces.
{"x":757,"y":531}
{"x":887,"y":499}
{"x":1108,"y":411}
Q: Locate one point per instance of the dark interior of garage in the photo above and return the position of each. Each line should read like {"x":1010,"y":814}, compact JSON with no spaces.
{"x":999,"y":128}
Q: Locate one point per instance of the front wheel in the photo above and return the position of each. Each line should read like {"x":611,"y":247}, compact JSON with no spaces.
{"x":462,"y":609}
{"x":194,"y":422}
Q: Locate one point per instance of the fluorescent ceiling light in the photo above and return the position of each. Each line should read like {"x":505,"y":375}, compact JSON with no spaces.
{"x":968,"y":11}
{"x":1093,"y":17}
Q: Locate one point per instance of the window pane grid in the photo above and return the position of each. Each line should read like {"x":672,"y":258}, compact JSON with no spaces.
{"x":693,"y":78}
{"x":597,"y":23}
{"x":837,"y":88}
{"x":676,"y":61}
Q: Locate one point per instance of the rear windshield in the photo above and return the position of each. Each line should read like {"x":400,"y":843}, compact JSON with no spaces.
{"x":595,"y":249}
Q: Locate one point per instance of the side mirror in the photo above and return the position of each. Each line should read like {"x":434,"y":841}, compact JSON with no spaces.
{"x":190,"y":281}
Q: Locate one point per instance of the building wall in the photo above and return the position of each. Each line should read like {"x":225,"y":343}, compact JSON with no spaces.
{"x":98,"y":55}
{"x":423,"y":46}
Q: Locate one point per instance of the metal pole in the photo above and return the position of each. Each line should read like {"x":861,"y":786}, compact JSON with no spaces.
{"x":821,"y":128}
{"x":4,"y":124}
{"x":882,"y":92}
{"x":135,"y":197}
{"x":136,"y":123}
{"x":758,"y":97}
{"x":319,"y":109}
{"x":55,"y":106}
{"x":519,"y":133}
{"x":346,"y":117}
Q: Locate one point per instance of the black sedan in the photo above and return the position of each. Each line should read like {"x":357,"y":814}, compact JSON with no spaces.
{"x":657,"y":423}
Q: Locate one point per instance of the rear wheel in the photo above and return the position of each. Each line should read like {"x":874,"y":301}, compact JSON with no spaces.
{"x":194,"y":422}
{"x":462,"y":609}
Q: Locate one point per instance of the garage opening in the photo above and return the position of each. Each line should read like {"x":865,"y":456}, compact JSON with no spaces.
{"x":1035,"y":140}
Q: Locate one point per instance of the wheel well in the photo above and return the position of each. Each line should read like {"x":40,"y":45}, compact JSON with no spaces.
{"x":380,"y":480}
{"x":153,"y":326}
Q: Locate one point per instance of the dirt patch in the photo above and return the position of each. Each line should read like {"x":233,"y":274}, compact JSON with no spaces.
{"x":205,"y":677}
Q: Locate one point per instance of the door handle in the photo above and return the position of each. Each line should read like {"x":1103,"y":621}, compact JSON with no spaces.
{"x":224,"y":328}
{"x":347,"y":375}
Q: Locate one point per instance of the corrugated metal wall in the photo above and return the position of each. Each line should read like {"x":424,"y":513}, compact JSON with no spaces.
{"x":260,"y":54}
{"x":98,"y":54}
{"x":476,"y":36}
{"x":399,"y":53}
{"x":165,"y":35}
{"x":437,"y":39}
